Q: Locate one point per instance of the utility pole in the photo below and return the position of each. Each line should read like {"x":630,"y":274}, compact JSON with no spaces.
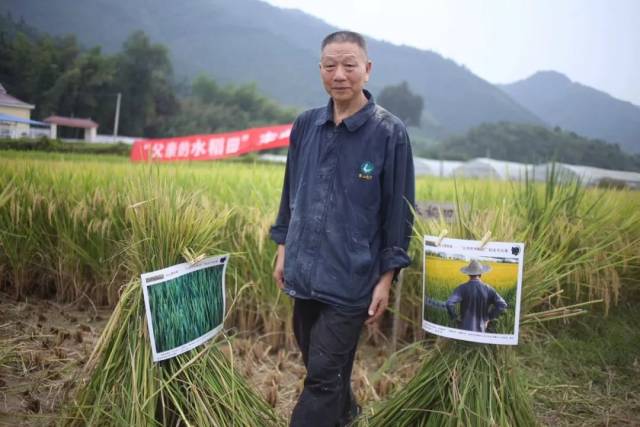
{"x":117,"y":118}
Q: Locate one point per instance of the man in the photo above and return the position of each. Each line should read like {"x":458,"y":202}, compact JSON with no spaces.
{"x":343,"y":226}
{"x":479,"y":302}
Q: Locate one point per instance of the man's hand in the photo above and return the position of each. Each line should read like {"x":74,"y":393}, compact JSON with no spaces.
{"x":380,"y":298}
{"x":278,"y":271}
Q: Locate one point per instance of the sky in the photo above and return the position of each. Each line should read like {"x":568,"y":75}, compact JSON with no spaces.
{"x":593,"y":42}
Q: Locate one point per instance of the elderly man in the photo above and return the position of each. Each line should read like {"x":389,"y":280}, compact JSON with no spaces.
{"x":479,"y":302}
{"x":343,"y":226}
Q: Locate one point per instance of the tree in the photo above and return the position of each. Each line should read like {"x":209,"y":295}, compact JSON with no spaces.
{"x":85,"y":89}
{"x":403,"y":103}
{"x":214,"y":108}
{"x":144,"y":75}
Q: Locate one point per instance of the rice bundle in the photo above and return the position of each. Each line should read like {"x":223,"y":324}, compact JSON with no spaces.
{"x":462,"y":384}
{"x":126,"y":388}
{"x":200,"y":387}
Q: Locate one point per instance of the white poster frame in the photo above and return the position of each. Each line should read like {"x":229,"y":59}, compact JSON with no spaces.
{"x":158,"y":277}
{"x":473,"y":249}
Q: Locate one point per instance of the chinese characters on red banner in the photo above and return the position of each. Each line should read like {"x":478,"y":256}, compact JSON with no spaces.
{"x":209,"y":147}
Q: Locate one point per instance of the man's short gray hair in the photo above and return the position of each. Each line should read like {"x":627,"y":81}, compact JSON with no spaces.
{"x":345,"y":37}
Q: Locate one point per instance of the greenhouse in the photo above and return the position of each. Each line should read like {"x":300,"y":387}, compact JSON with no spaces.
{"x":433,"y":167}
{"x":590,"y":175}
{"x":490,"y":168}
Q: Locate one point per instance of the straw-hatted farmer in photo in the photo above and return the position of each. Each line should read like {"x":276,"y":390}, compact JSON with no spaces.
{"x":344,"y":224}
{"x":479,"y":302}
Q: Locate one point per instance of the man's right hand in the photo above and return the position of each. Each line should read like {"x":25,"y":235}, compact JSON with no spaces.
{"x":278,"y":271}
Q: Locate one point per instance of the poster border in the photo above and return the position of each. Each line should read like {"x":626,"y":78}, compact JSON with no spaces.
{"x":174,"y":272}
{"x":459,"y":334}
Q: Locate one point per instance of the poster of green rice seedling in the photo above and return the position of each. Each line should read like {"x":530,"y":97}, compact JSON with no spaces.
{"x":185,"y":305}
{"x":471,"y":291}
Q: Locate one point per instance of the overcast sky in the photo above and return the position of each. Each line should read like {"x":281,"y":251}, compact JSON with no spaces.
{"x":594,"y":42}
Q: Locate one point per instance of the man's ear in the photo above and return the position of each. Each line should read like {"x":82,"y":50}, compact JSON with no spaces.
{"x":368,"y":68}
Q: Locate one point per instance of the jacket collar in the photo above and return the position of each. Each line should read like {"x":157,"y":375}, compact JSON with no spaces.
{"x":354,"y":121}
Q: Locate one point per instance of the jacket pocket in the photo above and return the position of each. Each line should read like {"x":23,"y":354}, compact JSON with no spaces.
{"x":360,"y":257}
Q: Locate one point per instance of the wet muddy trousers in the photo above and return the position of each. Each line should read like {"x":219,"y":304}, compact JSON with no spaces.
{"x":327,"y":337}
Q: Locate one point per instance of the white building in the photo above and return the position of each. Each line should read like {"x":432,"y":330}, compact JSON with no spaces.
{"x":90,"y":128}
{"x":15,"y":118}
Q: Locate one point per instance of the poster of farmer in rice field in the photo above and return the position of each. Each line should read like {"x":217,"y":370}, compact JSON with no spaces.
{"x":185,"y":305}
{"x":471,"y":291}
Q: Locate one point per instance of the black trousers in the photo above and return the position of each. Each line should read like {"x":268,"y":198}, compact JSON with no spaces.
{"x":327,"y":337}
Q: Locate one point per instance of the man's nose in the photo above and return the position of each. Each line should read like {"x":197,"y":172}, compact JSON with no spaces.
{"x":340,"y":73}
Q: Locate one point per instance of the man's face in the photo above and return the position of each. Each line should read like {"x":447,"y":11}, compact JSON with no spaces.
{"x":344,"y":69}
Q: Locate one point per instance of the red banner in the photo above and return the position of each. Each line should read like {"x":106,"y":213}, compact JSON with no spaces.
{"x":210,"y":147}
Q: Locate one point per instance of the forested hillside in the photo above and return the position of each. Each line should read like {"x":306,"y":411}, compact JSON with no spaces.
{"x":60,"y":76}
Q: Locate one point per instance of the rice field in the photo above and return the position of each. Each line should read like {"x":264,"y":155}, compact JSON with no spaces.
{"x":78,"y":229}
{"x":446,"y":273}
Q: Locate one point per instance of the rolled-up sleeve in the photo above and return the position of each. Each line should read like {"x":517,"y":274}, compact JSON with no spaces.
{"x":398,"y":194}
{"x":278,"y":231}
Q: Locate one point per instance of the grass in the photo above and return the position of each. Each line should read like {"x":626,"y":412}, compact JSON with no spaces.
{"x":588,"y":373}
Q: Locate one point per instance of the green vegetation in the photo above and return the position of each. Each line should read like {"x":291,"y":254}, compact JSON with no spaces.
{"x":60,"y":77}
{"x":187,"y":307}
{"x":213,"y":108}
{"x":76,"y":228}
{"x":587,"y":373}
{"x":402,"y":102}
{"x":57,"y":146}
{"x":533,"y":144}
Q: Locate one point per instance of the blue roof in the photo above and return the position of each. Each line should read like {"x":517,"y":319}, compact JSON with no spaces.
{"x":14,"y":119}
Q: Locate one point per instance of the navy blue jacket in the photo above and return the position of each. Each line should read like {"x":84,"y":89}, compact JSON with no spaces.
{"x":479,"y":303}
{"x":345,"y":216}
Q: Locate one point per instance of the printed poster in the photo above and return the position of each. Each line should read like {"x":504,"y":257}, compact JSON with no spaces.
{"x":472,"y":293}
{"x":185,"y":305}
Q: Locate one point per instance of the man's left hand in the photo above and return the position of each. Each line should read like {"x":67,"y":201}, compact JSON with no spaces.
{"x":380,"y":298}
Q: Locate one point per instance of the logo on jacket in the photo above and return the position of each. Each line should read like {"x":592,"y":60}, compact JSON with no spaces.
{"x":366,"y":171}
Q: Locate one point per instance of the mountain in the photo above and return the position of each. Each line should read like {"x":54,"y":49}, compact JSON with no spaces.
{"x":560,"y":102}
{"x":240,"y":41}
